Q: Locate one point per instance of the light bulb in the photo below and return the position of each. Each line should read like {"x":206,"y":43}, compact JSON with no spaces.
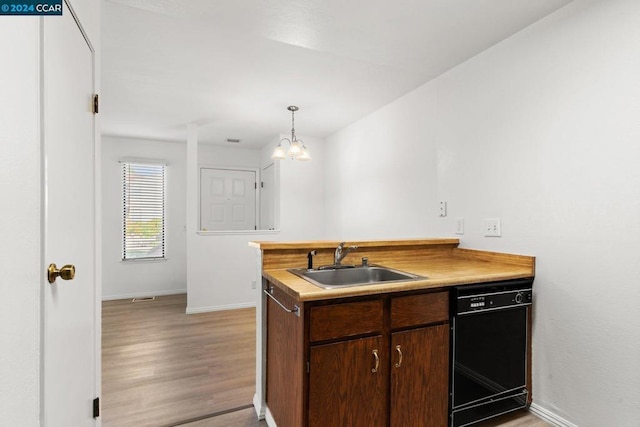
{"x":295,"y":150}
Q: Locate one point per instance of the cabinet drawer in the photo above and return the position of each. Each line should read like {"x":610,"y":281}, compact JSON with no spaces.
{"x":344,"y":320}
{"x":417,"y":310}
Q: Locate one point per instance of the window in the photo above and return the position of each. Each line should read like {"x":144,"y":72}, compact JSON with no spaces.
{"x":143,"y":211}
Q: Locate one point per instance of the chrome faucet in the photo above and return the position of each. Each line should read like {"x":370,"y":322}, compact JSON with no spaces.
{"x":341,"y":252}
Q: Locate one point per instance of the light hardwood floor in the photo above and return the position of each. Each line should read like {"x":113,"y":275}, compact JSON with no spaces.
{"x":161,"y":367}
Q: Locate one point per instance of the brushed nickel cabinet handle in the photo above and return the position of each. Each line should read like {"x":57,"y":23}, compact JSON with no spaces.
{"x":377,"y":359}
{"x":399,"y":363}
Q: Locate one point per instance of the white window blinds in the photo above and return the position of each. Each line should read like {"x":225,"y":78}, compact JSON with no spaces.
{"x":143,"y":210}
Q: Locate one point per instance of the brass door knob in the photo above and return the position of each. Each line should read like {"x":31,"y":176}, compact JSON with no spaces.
{"x":67,"y":272}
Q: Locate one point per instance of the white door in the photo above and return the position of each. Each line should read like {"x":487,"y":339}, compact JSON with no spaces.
{"x":227,"y":199}
{"x":267,"y":198}
{"x":71,"y":310}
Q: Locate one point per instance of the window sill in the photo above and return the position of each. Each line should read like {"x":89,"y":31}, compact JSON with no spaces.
{"x":235,"y":232}
{"x":142,"y":260}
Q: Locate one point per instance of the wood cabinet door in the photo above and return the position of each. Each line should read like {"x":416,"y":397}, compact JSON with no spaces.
{"x":348,"y":384}
{"x":420,"y":377}
{"x":285,"y":363}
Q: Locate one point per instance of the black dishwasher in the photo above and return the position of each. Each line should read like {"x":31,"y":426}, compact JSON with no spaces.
{"x":489,"y":336}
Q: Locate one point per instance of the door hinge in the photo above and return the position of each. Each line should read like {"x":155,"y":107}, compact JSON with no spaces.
{"x":96,"y":104}
{"x":255,"y":185}
{"x":261,"y":184}
{"x":308,"y":368}
{"x":96,"y":407}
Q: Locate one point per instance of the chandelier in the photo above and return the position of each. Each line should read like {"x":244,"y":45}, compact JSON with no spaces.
{"x":296,"y":150}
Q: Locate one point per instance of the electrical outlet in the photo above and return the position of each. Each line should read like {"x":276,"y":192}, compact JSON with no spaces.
{"x":492,"y":227}
{"x":443,"y":208}
{"x":253,"y":284}
{"x":460,"y":225}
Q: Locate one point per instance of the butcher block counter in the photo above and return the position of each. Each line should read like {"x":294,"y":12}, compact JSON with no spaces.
{"x":367,"y":355}
{"x":441,"y":261}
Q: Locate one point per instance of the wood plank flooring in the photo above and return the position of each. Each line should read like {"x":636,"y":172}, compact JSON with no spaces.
{"x":161,"y":367}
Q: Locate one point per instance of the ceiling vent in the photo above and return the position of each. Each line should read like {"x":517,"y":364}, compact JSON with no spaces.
{"x":233,"y":140}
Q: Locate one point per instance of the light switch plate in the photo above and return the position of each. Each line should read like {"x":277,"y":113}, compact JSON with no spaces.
{"x":460,"y":225}
{"x":492,"y":227}
{"x":443,"y":208}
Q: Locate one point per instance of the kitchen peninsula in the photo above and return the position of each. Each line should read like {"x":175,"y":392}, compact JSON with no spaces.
{"x":375,"y":354}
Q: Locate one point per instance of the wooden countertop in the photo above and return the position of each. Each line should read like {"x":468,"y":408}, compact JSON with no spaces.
{"x":440,"y":260}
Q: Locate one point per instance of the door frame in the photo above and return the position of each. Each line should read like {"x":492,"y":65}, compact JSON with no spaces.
{"x":97,"y":217}
{"x":274,"y":208}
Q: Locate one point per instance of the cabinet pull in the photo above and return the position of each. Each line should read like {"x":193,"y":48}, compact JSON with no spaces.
{"x":399,"y":363}
{"x":377,"y":359}
{"x":295,"y":310}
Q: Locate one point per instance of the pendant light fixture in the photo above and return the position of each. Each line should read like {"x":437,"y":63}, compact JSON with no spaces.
{"x":296,"y":150}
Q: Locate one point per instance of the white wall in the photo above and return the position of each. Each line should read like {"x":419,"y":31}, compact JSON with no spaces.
{"x":381,"y":172}
{"x":20,"y":193}
{"x":126,"y":279}
{"x":221,"y":267}
{"x":20,"y":224}
{"x":228,"y":156}
{"x":541,"y":130}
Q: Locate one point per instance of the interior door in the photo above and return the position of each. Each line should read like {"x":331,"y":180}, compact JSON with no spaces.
{"x":70,"y":307}
{"x":227,"y":199}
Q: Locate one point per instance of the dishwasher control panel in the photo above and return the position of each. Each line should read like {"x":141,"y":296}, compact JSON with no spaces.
{"x":474,"y":298}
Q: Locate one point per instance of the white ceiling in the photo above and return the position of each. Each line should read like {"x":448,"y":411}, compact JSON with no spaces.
{"x":233,"y":66}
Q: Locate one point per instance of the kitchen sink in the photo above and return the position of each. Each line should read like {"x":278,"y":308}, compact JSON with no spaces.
{"x":330,"y":278}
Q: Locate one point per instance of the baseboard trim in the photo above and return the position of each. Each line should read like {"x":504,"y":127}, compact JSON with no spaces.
{"x":269,"y":418}
{"x":257,"y":405}
{"x":144,"y":294}
{"x":549,"y":416}
{"x":220,"y":307}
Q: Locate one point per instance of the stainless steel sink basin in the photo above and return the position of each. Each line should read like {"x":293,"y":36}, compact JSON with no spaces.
{"x":358,"y":276}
